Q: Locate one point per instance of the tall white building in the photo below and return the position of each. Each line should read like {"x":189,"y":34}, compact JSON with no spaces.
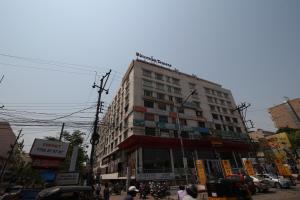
{"x":140,"y":132}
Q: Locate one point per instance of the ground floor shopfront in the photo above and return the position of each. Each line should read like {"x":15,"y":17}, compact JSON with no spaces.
{"x":156,"y":158}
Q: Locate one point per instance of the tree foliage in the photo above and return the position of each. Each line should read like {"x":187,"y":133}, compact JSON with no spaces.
{"x":74,"y":139}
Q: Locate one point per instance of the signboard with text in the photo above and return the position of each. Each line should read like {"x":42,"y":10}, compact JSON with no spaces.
{"x":68,"y":178}
{"x":47,"y":148}
{"x":227,"y":167}
{"x":201,"y":172}
{"x":249,"y":167}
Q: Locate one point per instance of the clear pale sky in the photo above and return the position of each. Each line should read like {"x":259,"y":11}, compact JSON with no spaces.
{"x":250,"y":47}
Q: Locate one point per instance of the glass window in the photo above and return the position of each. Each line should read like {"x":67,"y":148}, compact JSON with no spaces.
{"x":161,"y":96}
{"x":207,"y":90}
{"x":162,"y":106}
{"x":228,"y":103}
{"x":160,"y":86}
{"x":180,"y":109}
{"x":183,"y":122}
{"x":196,"y":103}
{"x":201,"y":124}
{"x":215,"y":116}
{"x":218,"y":126}
{"x":192,"y":85}
{"x":174,"y":120}
{"x":178,"y":160}
{"x":148,"y":93}
{"x":169,"y":88}
{"x":150,"y":131}
{"x":156,"y":160}
{"x":175,"y":81}
{"x":178,"y":100}
{"x":149,"y":117}
{"x":148,"y":104}
{"x":163,"y":118}
{"x":159,"y":77}
{"x":177,"y":90}
{"x":209,"y":99}
{"x":168,"y":79}
{"x":238,"y":129}
{"x":227,"y":119}
{"x":212,"y":108}
{"x":147,"y":73}
{"x":147,"y":83}
{"x":184,"y":134}
{"x":225,"y":95}
{"x":224,"y":110}
{"x":231,"y":128}
{"x":170,"y":98}
{"x":199,"y":113}
{"x":235,"y":120}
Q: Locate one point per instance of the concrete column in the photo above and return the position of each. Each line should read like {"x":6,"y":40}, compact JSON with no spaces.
{"x":235,"y":161}
{"x":172,"y":160}
{"x":140,"y":160}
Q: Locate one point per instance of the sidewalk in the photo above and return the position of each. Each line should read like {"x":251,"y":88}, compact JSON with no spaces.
{"x":149,"y":197}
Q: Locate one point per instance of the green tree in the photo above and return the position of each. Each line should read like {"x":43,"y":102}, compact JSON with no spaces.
{"x":74,"y":139}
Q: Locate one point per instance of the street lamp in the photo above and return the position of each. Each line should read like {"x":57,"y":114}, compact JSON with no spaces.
{"x":184,"y":159}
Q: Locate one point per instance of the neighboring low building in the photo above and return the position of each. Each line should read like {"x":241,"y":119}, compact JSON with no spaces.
{"x":7,"y":138}
{"x":286,"y":114}
{"x":259,"y":134}
{"x":140,"y":130}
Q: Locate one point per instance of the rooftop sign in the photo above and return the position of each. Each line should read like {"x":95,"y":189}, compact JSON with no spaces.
{"x":47,"y":148}
{"x":152,"y":60}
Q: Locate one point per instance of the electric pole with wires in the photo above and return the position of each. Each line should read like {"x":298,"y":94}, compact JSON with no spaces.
{"x":95,"y":136}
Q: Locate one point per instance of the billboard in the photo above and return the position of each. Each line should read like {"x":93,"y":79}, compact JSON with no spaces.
{"x":278,"y":141}
{"x":48,"y":148}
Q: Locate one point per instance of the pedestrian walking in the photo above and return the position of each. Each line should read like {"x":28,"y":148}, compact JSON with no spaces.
{"x":181,"y":192}
{"x":132,"y":191}
{"x":106,"y":192}
{"x":191,"y":193}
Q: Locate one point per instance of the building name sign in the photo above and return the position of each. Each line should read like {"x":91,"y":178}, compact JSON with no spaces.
{"x":69,"y":178}
{"x":152,"y":60}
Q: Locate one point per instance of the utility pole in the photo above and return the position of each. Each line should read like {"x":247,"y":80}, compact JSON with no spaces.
{"x":9,"y":156}
{"x":62,"y":130}
{"x":184,"y":159}
{"x":95,"y":136}
{"x":242,"y":109}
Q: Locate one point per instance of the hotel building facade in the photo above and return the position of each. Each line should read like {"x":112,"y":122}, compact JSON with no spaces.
{"x":154,"y":110}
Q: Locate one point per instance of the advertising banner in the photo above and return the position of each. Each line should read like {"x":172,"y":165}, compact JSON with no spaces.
{"x":280,"y":167}
{"x":227,"y":167}
{"x":201,"y":172}
{"x":249,"y":167}
{"x":47,"y":148}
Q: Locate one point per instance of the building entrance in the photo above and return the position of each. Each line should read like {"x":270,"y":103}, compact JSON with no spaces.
{"x":213,"y":168}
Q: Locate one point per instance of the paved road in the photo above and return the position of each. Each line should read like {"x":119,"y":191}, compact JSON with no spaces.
{"x":280,"y":194}
{"x":274,"y":194}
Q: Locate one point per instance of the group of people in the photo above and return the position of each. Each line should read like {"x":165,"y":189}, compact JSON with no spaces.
{"x":132,"y":192}
{"x":187,"y":193}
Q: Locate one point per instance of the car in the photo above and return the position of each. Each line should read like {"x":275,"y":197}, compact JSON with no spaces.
{"x":261,"y":185}
{"x":12,"y":192}
{"x":66,"y":193}
{"x":276,"y":181}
